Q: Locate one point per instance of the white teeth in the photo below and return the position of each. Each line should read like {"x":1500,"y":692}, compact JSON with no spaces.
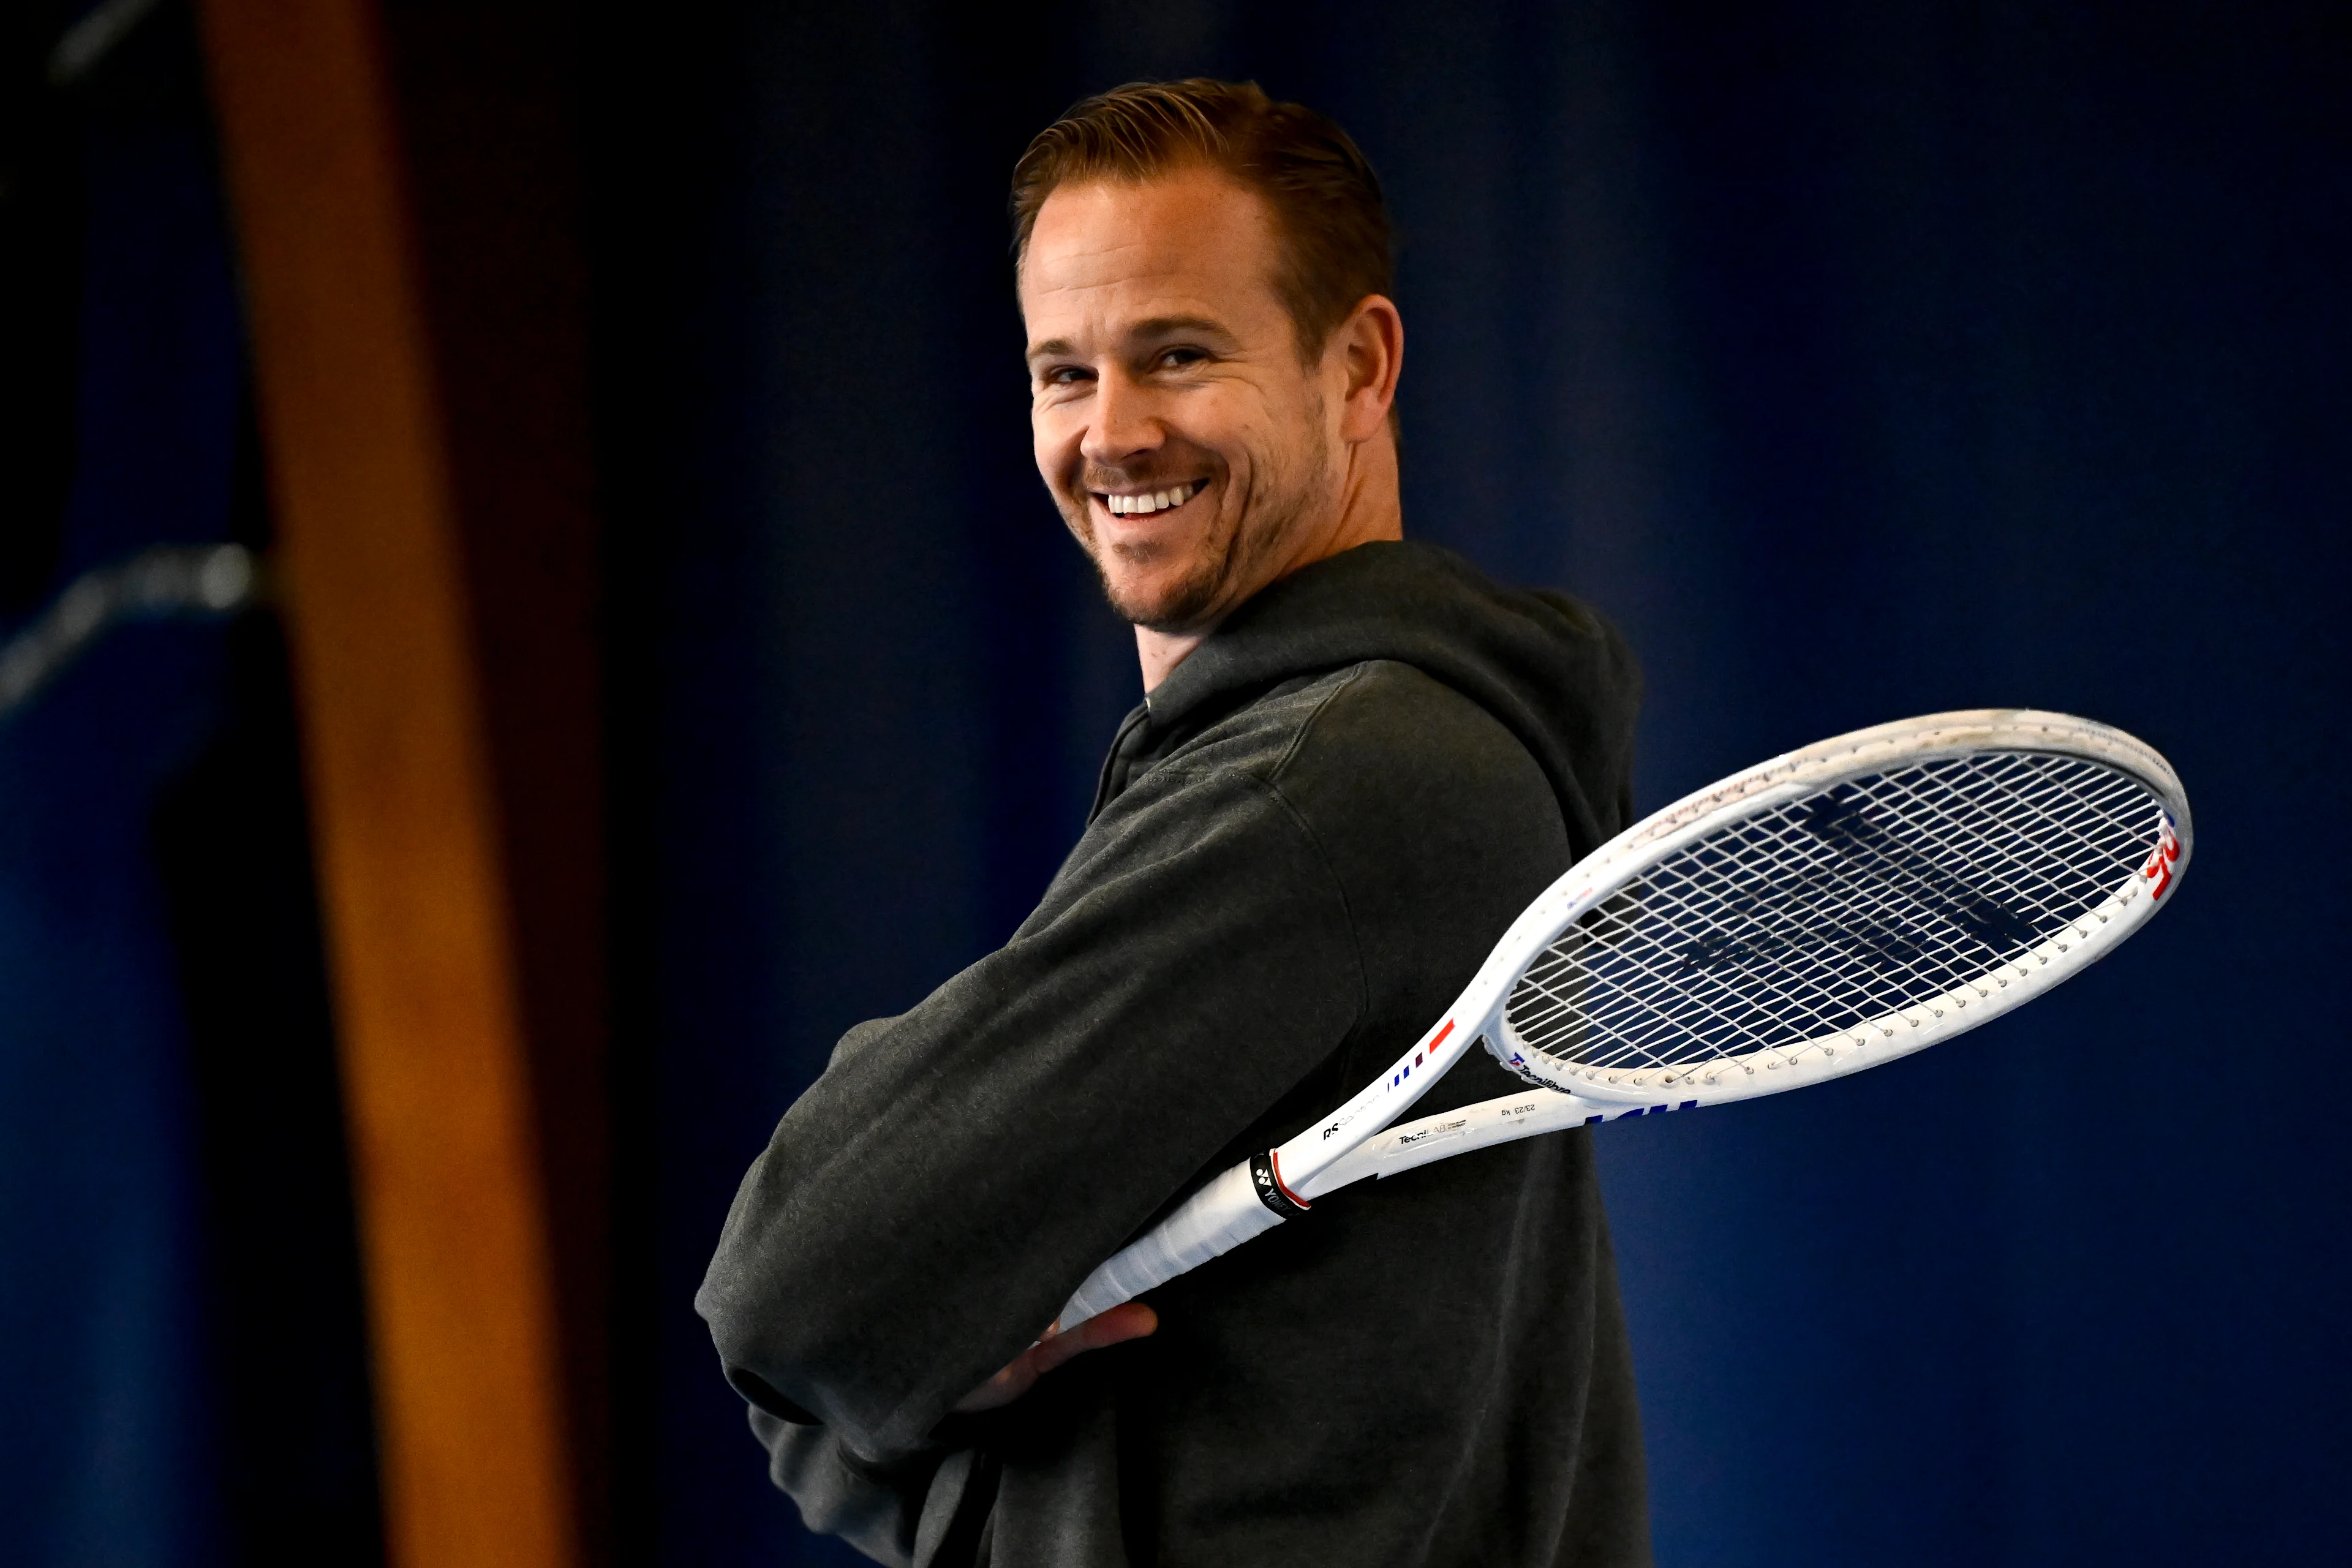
{"x":1142,"y":505}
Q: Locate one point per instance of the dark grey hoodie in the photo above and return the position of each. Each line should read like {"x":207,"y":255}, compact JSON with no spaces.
{"x":1304,"y":844}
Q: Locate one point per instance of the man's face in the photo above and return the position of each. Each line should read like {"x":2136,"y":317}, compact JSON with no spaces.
{"x":1187,"y":445}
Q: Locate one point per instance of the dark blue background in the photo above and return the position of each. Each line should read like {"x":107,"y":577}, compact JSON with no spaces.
{"x":182,"y":1375}
{"x":1862,"y":361}
{"x":108,"y":1451}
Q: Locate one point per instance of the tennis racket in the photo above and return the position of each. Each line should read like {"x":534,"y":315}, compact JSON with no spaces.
{"x":1828,"y":911}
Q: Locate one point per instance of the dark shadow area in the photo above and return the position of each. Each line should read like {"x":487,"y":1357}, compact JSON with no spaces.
{"x":40,"y":298}
{"x":187,"y":1370}
{"x":296,"y":1449}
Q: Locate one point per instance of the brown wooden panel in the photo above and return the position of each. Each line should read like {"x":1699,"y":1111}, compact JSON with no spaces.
{"x":485,"y":99}
{"x":436,"y":1069}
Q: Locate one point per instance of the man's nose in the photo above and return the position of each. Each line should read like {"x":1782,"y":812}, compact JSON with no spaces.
{"x":1124,"y":423}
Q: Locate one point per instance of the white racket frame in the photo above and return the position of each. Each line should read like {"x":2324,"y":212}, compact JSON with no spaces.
{"x":1349,"y":1145}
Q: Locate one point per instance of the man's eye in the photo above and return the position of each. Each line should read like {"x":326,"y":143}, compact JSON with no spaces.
{"x":1177,"y":359}
{"x":1065,"y":376}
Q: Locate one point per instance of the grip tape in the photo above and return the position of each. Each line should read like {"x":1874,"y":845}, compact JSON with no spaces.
{"x":1209,"y":1223}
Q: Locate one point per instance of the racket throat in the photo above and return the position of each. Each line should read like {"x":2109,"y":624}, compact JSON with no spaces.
{"x":1265,"y":1179}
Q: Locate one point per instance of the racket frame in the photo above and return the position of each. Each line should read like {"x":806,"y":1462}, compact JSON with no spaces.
{"x":1477,"y":1014}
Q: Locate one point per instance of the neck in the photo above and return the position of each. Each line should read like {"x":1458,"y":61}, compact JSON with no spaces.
{"x":1364,"y":508}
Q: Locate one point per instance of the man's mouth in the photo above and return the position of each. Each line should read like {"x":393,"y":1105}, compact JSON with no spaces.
{"x":1142,"y":502}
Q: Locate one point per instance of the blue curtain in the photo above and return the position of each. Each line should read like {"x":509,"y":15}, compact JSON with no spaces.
{"x":112,"y":1443}
{"x":180,"y":1359}
{"x":1862,"y":361}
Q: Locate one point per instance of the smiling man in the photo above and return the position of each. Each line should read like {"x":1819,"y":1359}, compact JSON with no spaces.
{"x":1200,"y":437}
{"x":1355,"y":761}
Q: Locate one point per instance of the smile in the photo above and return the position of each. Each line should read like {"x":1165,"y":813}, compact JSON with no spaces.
{"x":1152,"y":500}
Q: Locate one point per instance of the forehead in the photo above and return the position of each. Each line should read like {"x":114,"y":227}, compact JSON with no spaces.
{"x":1188,"y":244}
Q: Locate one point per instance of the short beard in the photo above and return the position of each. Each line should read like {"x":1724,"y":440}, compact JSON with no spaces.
{"x":1266,"y":520}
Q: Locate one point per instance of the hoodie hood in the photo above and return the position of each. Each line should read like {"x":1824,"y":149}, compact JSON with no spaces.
{"x":1547,"y":667}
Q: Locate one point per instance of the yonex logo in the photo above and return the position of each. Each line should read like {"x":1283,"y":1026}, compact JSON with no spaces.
{"x":1267,"y":1177}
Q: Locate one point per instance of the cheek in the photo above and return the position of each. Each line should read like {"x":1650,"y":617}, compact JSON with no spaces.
{"x":1053,"y":438}
{"x":1232,"y":423}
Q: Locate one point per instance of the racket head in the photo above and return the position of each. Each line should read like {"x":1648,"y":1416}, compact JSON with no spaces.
{"x":1839,"y":907}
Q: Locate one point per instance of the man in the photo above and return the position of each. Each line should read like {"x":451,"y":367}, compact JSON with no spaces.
{"x":1355,"y":762}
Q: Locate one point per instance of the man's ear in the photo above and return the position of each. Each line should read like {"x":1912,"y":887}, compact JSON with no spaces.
{"x":1370,"y":346}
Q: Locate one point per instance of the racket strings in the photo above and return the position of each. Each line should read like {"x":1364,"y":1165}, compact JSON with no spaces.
{"x":1938,"y":960}
{"x":1834,"y":911}
{"x":1793,"y":993}
{"x":1794,"y":1003}
{"x":1944,"y":962}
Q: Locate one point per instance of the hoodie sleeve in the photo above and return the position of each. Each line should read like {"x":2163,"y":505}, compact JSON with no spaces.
{"x":900,"y":1514}
{"x":926,"y":1207}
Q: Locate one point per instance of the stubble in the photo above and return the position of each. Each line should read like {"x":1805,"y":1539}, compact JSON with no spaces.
{"x":1281,"y":499}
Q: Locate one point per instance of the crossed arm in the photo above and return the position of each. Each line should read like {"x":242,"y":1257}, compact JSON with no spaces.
{"x":922,"y":1201}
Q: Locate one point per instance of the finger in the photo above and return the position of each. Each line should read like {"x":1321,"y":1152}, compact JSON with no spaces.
{"x":1008,"y":1384}
{"x":1128,"y":1320}
{"x":1132,"y":1320}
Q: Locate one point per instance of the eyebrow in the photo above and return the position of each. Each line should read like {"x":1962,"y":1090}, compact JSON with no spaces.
{"x":1151,"y":331}
{"x":1179,"y":326}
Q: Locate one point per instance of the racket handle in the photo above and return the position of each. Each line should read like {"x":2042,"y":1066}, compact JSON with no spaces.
{"x":1212,"y":1222}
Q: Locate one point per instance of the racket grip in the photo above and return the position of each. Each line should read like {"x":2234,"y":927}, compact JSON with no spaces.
{"x":1212,"y":1222}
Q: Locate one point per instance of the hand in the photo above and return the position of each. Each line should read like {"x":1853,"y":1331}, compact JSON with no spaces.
{"x":1131,"y":1321}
